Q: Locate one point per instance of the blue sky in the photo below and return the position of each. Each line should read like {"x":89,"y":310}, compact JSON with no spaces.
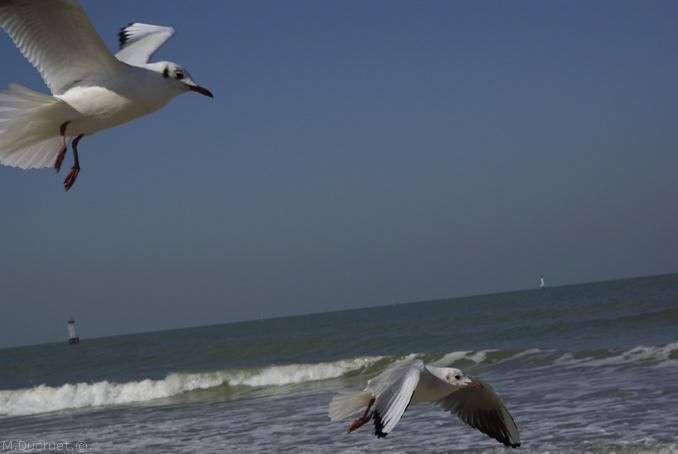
{"x":355,"y":153}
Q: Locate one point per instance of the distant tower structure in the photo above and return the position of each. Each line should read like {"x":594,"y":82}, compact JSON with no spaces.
{"x":72,"y":336}
{"x":542,"y":284}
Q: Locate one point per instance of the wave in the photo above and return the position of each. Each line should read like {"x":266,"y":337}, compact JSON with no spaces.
{"x":666,"y":355}
{"x":456,"y":358}
{"x":43,"y":398}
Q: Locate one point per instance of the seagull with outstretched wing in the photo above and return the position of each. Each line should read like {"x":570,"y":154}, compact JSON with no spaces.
{"x":91,"y":88}
{"x":388,"y":395}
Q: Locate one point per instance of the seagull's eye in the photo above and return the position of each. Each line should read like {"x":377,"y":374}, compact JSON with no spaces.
{"x":457,"y":377}
{"x":180,"y":76}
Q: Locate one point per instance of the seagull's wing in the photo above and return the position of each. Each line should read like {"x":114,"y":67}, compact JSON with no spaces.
{"x":393,"y":391}
{"x":139,"y":41}
{"x":482,"y":409}
{"x":59,"y":40}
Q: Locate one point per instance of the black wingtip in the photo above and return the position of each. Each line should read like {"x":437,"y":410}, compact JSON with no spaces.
{"x":505,"y":441}
{"x":123,"y":36}
{"x":378,"y":426}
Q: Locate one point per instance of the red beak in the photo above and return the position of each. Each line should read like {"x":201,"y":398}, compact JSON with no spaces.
{"x":202,"y":91}
{"x":474,"y":384}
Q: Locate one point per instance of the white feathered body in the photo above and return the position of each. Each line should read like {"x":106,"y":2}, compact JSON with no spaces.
{"x":106,"y":104}
{"x":429,"y":388}
{"x":390,"y":393}
{"x":30,"y":121}
{"x":91,"y":88}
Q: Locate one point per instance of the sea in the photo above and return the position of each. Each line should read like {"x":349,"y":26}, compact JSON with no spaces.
{"x":587,"y":368}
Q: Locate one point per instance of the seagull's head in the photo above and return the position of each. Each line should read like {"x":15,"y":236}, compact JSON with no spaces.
{"x":180,"y":79}
{"x":456,"y":377}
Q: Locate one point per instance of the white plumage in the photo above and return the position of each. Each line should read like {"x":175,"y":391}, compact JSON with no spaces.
{"x":34,"y":143}
{"x":91,"y":89}
{"x":388,"y":395}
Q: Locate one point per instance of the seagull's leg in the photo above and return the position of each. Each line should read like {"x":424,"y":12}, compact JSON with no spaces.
{"x":363,"y":419}
{"x":62,"y":147}
{"x":75,"y":170}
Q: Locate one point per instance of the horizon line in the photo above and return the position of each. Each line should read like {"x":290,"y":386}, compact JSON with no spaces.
{"x":304,"y":314}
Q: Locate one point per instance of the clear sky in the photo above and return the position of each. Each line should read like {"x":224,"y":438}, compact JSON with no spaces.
{"x":356,"y":153}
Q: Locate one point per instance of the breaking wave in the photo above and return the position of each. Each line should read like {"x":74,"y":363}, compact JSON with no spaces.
{"x":43,"y":398}
{"x":455,"y":358}
{"x":666,"y":355}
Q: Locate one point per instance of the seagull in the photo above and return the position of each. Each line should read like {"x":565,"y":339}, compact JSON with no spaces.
{"x":388,"y":395}
{"x":92,"y":89}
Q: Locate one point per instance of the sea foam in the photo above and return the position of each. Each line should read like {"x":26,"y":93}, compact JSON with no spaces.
{"x":666,"y":355}
{"x":42,"y":399}
{"x":475,"y":357}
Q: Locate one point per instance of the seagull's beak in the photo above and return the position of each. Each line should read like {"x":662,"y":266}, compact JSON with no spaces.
{"x":473,"y":384}
{"x":202,"y":91}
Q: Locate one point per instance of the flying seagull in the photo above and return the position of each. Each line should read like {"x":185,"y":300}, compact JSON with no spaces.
{"x":388,"y":395}
{"x":91,"y":88}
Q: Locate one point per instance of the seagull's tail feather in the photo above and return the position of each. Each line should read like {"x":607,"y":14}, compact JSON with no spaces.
{"x":29,"y":127}
{"x":345,"y":404}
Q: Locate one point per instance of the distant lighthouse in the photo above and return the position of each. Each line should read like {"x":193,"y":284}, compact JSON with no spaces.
{"x":542,"y":284}
{"x":72,"y":336}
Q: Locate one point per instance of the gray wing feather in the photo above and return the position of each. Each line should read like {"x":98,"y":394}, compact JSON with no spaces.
{"x":482,"y":409}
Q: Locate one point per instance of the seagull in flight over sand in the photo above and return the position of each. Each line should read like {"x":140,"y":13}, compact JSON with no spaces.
{"x":388,"y":395}
{"x":91,"y":88}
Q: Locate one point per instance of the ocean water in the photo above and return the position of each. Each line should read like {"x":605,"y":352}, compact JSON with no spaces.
{"x":585,"y":368}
